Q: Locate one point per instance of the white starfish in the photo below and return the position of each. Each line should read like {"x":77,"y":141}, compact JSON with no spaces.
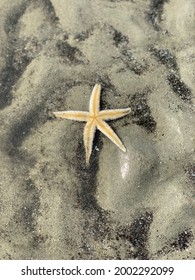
{"x":96,"y":119}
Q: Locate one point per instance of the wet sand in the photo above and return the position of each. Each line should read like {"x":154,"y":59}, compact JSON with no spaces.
{"x":134,"y":205}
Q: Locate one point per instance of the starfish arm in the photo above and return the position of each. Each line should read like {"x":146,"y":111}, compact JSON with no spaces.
{"x":107,"y":130}
{"x":80,"y":116}
{"x":89,"y":132}
{"x":94,"y":104}
{"x":113,"y":114}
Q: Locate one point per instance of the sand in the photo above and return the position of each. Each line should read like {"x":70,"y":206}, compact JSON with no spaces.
{"x":134,"y":205}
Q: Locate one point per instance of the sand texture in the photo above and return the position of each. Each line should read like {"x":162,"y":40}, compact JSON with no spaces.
{"x":134,"y":205}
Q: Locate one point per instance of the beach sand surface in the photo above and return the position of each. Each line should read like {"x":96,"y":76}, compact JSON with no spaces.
{"x":134,"y":205}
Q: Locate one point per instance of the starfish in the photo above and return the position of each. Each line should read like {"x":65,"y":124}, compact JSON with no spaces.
{"x":95,"y":119}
